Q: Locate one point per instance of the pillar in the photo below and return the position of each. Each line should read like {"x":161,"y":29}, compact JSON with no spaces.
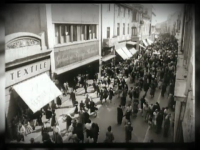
{"x":100,"y":39}
{"x":50,"y":36}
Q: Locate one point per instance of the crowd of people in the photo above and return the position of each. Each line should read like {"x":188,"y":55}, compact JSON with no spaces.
{"x":151,"y":69}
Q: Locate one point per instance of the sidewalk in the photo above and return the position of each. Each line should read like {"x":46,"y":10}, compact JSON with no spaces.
{"x":66,"y":108}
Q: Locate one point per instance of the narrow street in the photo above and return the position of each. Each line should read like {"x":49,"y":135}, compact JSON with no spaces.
{"x":107,"y":115}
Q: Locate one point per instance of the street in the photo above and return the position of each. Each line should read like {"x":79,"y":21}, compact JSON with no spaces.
{"x":107,"y":115}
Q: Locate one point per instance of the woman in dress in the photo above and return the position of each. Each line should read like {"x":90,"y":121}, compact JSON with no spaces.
{"x":58,"y":101}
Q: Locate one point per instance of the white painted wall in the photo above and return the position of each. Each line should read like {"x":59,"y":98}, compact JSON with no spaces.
{"x":107,"y":20}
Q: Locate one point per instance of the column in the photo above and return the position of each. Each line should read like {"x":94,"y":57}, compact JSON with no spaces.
{"x":100,"y":38}
{"x":71,"y":33}
{"x":50,"y":36}
{"x":60,"y":34}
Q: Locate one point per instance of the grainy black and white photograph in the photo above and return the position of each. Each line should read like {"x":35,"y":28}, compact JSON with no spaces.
{"x":99,"y":73}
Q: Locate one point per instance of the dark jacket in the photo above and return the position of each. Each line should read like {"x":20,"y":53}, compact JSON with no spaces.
{"x":72,"y":96}
{"x":109,"y":137}
{"x":128,"y":132}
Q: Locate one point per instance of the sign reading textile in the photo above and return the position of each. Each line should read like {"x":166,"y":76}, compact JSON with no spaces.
{"x":71,"y":54}
{"x":37,"y":92}
{"x":23,"y":73}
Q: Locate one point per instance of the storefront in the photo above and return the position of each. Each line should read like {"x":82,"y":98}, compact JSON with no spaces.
{"x":122,"y":52}
{"x":75,"y":59}
{"x":28,"y":83}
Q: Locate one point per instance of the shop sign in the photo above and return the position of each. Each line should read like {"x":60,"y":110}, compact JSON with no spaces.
{"x":23,"y":73}
{"x":75,"y":53}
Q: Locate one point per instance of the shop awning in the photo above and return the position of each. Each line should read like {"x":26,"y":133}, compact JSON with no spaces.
{"x":108,"y":57}
{"x":141,"y":46}
{"x":149,"y":41}
{"x":133,"y":51}
{"x":122,"y":54}
{"x":76,"y":65}
{"x":37,"y":92}
{"x":126,"y":51}
{"x":145,"y":43}
{"x":131,"y":43}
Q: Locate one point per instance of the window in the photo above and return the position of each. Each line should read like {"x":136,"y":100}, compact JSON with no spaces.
{"x":123,"y":28}
{"x":83,"y":37}
{"x":65,"y":33}
{"x":129,"y":13}
{"x":118,"y":27}
{"x":124,"y":12}
{"x":134,"y":16}
{"x":119,"y":10}
{"x":93,"y":31}
{"x":74,"y":33}
{"x":134,"y":31}
{"x":108,"y":32}
{"x":108,"y":7}
{"x":128,"y":29}
{"x":56,"y":31}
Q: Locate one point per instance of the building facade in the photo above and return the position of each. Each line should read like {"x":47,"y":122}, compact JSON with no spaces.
{"x":119,"y":26}
{"x":74,"y":32}
{"x":145,"y":27}
{"x":26,"y":55}
{"x":184,"y":129}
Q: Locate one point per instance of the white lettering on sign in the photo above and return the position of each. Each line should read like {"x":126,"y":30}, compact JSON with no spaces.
{"x":23,"y":73}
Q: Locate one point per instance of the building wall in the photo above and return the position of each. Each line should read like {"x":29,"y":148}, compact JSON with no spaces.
{"x":75,"y":13}
{"x":123,"y":20}
{"x":107,"y":20}
{"x":22,"y":18}
{"x":188,"y":64}
{"x":78,"y":50}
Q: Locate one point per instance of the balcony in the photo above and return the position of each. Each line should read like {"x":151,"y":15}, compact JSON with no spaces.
{"x":134,"y":38}
{"x":128,"y":37}
{"x":109,"y":42}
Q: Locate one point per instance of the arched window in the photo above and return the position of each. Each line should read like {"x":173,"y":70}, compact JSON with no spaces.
{"x":134,"y":31}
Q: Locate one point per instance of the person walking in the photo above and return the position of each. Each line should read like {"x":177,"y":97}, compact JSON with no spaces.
{"x":73,"y":97}
{"x":58,"y":101}
{"x":75,"y":83}
{"x":111,"y":94}
{"x":68,"y":122}
{"x":66,"y":88}
{"x":94,"y":84}
{"x":95,"y":132}
{"x":101,"y":95}
{"x":53,"y":120}
{"x":130,"y":93}
{"x":85,"y":85}
{"x":128,"y":132}
{"x":163,"y":89}
{"x":152,"y":92}
{"x":142,"y":101}
{"x":128,"y":113}
{"x":105,"y":94}
{"x":98,"y":89}
{"x":119,"y":115}
{"x":79,"y":132}
{"x":166,"y":126}
{"x":159,"y":120}
{"x":87,"y":102}
{"x":109,"y":135}
{"x":57,"y":138}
